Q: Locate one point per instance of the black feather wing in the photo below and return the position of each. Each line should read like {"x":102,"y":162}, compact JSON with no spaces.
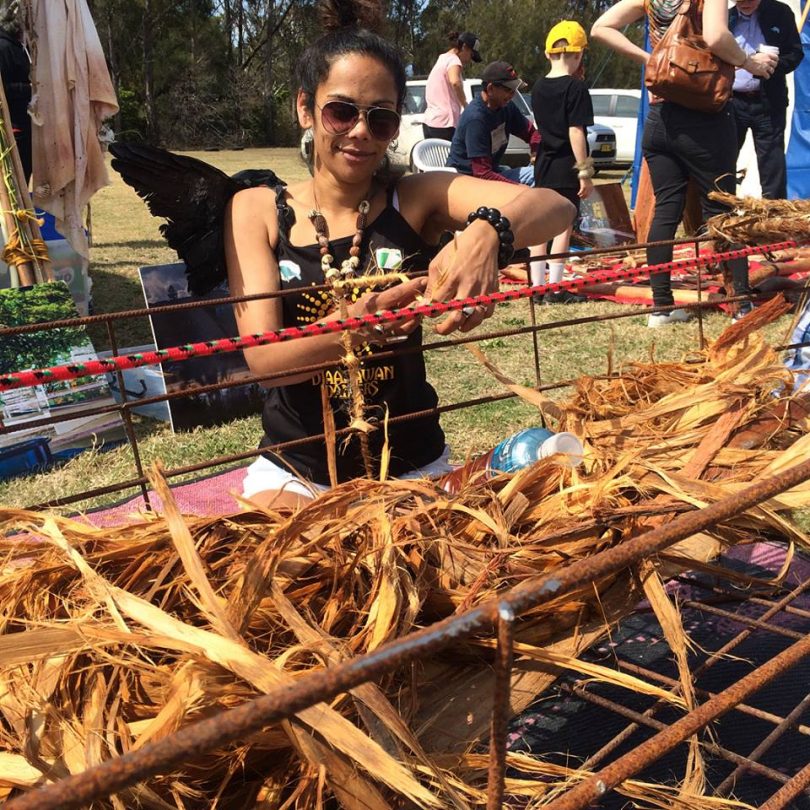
{"x":191,"y":195}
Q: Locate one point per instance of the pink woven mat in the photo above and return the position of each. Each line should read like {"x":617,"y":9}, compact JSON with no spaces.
{"x":213,"y":495}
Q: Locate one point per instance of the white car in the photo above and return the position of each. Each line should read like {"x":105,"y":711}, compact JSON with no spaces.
{"x":413,"y":109}
{"x":618,"y":109}
{"x":601,"y":139}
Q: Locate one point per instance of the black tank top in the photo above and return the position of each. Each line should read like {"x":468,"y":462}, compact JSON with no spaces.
{"x":398,"y":384}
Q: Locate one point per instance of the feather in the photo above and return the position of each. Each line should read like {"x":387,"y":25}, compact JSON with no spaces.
{"x":191,"y":196}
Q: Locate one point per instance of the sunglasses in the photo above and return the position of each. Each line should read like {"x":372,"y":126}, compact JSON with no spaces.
{"x":340,"y":117}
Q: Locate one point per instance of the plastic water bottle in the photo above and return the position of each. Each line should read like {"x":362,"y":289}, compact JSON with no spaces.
{"x":519,"y":450}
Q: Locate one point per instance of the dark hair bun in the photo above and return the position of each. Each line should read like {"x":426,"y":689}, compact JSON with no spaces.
{"x":336,"y":14}
{"x":453,"y":37}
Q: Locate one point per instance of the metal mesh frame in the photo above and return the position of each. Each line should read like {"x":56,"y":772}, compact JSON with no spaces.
{"x":649,"y":734}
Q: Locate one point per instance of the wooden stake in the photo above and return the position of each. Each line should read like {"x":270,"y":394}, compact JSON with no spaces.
{"x":24,"y":274}
{"x":38,"y":271}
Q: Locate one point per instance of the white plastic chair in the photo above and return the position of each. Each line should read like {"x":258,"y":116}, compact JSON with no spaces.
{"x":430,"y":155}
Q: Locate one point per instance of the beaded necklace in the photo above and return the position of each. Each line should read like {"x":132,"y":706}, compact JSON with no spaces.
{"x":341,"y":283}
{"x":349,"y":266}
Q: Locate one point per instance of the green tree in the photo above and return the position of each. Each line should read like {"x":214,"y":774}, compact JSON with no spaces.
{"x":515,"y":31}
{"x":40,"y":304}
{"x":197,"y":73}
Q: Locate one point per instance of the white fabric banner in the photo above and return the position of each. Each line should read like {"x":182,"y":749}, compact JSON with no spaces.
{"x":72,"y":96}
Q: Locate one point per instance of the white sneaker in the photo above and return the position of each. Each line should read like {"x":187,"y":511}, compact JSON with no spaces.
{"x":666,"y":318}
{"x":743,"y":309}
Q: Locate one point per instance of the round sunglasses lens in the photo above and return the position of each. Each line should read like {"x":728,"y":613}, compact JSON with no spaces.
{"x":383,"y":123}
{"x":339,"y":116}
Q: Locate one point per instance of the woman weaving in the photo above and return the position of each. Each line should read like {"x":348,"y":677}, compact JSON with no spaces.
{"x":352,"y":85}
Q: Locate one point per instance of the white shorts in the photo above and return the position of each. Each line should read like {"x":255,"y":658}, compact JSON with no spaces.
{"x":264,"y":475}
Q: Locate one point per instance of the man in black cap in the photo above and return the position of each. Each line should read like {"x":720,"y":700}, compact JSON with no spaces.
{"x":485,"y":126}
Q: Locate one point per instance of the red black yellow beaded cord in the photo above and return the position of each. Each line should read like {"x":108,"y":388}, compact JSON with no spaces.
{"x":71,"y":371}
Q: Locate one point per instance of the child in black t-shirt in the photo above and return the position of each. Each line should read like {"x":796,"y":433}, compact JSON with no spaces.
{"x":562,"y":111}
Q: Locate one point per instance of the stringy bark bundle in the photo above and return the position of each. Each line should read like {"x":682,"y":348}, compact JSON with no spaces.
{"x":115,"y":638}
{"x":756,"y":221}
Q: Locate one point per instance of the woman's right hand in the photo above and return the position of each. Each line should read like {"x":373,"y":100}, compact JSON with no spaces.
{"x":396,"y":297}
{"x":761,"y":64}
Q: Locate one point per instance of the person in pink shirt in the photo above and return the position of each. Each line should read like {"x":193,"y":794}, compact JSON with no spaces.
{"x":444,"y":92}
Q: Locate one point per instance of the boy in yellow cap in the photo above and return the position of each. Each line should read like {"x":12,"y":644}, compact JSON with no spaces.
{"x":562,"y":112}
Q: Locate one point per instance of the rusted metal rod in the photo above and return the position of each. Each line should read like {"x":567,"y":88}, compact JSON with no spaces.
{"x":500,"y":708}
{"x":789,"y":791}
{"x":714,"y":658}
{"x":192,"y":741}
{"x":743,"y":708}
{"x":757,"y":624}
{"x":596,"y":786}
{"x":165,"y":309}
{"x":788,"y":723}
{"x":639,"y":719}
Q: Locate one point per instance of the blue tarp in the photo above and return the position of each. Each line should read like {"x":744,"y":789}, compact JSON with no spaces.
{"x":798,"y":151}
{"x":642,"y":117}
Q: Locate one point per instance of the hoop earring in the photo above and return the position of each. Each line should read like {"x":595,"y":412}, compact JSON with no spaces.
{"x":308,"y":148}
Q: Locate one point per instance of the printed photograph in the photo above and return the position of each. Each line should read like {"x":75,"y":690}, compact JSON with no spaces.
{"x":605,"y":218}
{"x":23,"y":448}
{"x":166,"y":284}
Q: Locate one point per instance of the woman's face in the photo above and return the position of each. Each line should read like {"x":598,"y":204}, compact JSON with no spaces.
{"x":465,"y":54}
{"x":353,"y":156}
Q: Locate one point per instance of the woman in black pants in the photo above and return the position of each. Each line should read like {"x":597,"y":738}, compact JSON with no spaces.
{"x":679,"y":143}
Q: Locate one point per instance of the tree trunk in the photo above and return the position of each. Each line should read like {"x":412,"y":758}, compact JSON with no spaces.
{"x":113,"y":62}
{"x":152,"y":127}
{"x":241,"y":39}
{"x":270,"y":110}
{"x":229,"y":30}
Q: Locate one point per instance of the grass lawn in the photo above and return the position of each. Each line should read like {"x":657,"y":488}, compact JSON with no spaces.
{"x":125,"y":237}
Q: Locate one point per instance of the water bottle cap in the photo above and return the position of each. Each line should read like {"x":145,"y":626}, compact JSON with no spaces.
{"x":565,"y":443}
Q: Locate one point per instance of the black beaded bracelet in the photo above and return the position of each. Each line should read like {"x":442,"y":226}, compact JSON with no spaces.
{"x":503,"y":227}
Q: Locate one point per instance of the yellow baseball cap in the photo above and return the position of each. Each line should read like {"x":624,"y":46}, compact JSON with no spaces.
{"x":572,"y":32}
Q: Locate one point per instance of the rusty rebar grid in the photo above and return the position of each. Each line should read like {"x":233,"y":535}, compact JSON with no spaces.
{"x":283,"y":702}
{"x":643,"y":719}
{"x":141,"y":479}
{"x":715,"y":657}
{"x":598,"y":784}
{"x":743,"y":708}
{"x":638,"y":719}
{"x":432,"y":346}
{"x":770,"y":740}
{"x":788,"y":792}
{"x":165,"y":309}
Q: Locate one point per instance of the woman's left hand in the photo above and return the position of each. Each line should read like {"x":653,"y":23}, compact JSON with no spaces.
{"x":465,"y":267}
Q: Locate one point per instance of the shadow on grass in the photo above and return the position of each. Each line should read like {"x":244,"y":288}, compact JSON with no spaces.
{"x":99,"y":265}
{"x":135,"y":244}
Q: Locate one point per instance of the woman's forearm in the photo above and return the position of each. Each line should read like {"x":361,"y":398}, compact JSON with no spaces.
{"x":716,"y":35}
{"x":538,"y":215}
{"x":723,"y":45}
{"x":609,"y":28}
{"x":619,"y":42}
{"x":277,"y":359}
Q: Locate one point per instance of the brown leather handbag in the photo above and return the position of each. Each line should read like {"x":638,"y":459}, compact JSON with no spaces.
{"x":682,"y":69}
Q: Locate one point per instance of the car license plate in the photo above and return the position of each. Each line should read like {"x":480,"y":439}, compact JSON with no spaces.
{"x":606,"y":147}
